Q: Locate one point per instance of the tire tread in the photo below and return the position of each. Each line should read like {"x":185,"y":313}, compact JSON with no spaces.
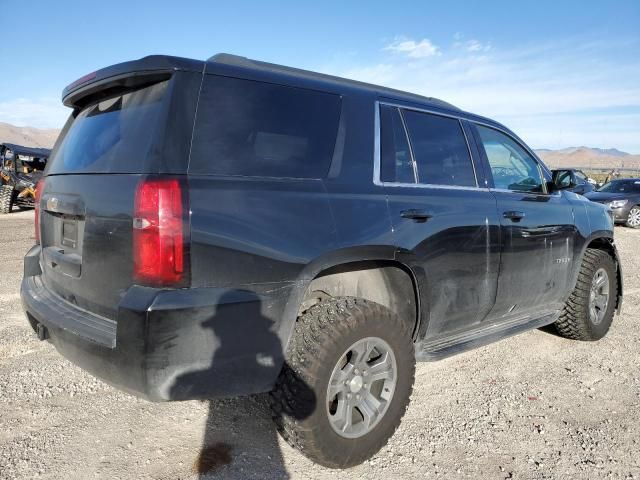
{"x":573,"y":321}
{"x":315,"y":332}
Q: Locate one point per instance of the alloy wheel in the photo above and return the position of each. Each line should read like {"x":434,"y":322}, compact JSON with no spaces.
{"x":361,"y":387}
{"x":599,"y":296}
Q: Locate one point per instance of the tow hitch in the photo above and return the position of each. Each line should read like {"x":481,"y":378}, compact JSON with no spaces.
{"x":42,"y":332}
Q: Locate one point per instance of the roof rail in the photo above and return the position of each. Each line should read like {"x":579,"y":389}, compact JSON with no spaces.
{"x":239,"y":61}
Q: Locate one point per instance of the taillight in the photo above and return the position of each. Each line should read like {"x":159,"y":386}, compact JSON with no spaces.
{"x":38,"y":195}
{"x":159,"y":223}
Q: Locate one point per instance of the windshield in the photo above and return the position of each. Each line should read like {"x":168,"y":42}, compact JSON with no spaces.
{"x":621,"y":186}
{"x":112,"y":136}
{"x":29,"y":164}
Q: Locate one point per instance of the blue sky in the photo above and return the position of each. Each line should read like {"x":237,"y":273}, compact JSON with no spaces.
{"x":559,"y":73}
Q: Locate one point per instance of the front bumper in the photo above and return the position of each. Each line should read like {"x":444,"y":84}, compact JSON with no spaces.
{"x":620,"y":215}
{"x":165,"y":344}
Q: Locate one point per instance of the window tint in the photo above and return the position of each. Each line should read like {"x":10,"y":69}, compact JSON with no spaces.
{"x":511,"y":166}
{"x":621,"y":186}
{"x":440,"y":149}
{"x":111,"y":136}
{"x":258,"y":129}
{"x":395,"y":157}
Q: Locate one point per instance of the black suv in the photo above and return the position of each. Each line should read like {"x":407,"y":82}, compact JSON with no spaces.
{"x":231,"y":227}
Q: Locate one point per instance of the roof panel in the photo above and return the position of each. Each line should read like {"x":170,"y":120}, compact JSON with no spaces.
{"x":244,"y":62}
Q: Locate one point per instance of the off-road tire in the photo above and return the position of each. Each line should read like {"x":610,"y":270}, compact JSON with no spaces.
{"x":574,"y":321}
{"x":321,"y":336}
{"x":633,"y":213}
{"x":6,"y":198}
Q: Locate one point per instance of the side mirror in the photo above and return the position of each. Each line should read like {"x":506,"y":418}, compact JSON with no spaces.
{"x":563,"y":180}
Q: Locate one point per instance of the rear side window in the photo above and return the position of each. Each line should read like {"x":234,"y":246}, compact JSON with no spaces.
{"x":251,"y":128}
{"x":440,"y":150}
{"x":396,"y":164}
{"x":112,"y":136}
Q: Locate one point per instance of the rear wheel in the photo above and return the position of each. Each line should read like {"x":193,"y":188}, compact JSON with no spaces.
{"x":633,"y":220}
{"x":588,"y":313}
{"x":6,"y":198}
{"x":346,"y":383}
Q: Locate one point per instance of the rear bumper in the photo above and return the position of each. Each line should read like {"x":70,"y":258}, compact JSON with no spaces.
{"x":165,"y":344}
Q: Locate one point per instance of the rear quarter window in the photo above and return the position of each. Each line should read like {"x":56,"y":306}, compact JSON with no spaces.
{"x":250,"y":128}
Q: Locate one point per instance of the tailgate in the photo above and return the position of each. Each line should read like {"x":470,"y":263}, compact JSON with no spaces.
{"x":109,"y":144}
{"x":86,"y":231}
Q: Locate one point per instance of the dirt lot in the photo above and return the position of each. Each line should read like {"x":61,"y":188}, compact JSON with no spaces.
{"x":533,"y":406}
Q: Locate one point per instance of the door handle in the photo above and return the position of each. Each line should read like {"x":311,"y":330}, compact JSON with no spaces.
{"x":419,"y":216}
{"x":541,"y":232}
{"x":513,"y":215}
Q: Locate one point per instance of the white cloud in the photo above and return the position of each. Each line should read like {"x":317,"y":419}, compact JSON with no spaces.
{"x":422,"y":49}
{"x":476,"y":46}
{"x":39,"y":113}
{"x":546,"y":92}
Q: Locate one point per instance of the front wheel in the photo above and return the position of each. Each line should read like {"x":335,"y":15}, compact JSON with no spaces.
{"x":588,"y":313}
{"x":346,"y":383}
{"x":633,"y":220}
{"x":6,"y":198}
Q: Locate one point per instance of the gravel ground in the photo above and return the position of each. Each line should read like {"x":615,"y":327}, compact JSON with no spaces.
{"x":533,"y":406}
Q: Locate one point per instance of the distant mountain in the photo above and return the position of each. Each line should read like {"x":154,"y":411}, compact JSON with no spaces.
{"x":28,"y":136}
{"x":614,"y":152}
{"x":587,"y":157}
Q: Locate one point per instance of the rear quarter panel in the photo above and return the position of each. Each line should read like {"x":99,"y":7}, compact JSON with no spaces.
{"x":258,"y":235}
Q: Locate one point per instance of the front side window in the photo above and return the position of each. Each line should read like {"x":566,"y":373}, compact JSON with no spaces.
{"x":511,"y":166}
{"x":250,"y":128}
{"x":440,"y":149}
{"x":396,"y":164}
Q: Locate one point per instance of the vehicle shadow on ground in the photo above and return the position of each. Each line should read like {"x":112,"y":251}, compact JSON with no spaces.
{"x":240,"y":438}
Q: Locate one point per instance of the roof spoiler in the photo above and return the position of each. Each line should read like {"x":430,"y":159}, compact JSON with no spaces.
{"x":124,"y":77}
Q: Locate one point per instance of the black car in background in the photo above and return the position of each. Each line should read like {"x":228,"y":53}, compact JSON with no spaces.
{"x":299,"y":234}
{"x":623,"y":197}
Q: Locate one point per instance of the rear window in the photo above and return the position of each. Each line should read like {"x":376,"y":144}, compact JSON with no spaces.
{"x":249,"y":128}
{"x":112,"y":136}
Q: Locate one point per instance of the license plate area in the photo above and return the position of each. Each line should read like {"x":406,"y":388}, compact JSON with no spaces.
{"x":69,"y":233}
{"x":62,"y":243}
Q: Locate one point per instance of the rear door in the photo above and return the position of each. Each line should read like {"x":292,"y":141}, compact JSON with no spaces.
{"x":537,"y":229}
{"x":104,"y":151}
{"x":444,"y":222}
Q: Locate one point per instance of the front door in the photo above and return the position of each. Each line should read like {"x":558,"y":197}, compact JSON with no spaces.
{"x":537,"y":230}
{"x":446,"y":227}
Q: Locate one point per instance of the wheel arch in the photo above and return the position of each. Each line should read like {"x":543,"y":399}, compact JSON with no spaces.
{"x":371,"y":273}
{"x":607,"y":244}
